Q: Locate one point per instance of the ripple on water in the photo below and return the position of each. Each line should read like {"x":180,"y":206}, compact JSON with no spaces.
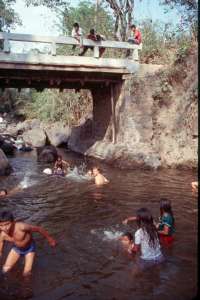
{"x":88,"y":262}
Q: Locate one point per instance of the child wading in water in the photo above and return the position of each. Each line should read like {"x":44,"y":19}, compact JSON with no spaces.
{"x":166,"y":226}
{"x":146,"y":237}
{"x":127,"y":241}
{"x":60,"y":167}
{"x":98,"y":177}
{"x":20,"y":234}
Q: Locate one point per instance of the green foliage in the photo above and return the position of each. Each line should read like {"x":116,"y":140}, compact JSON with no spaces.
{"x":183,"y":49}
{"x":8,"y":17}
{"x":156,"y":41}
{"x":84,"y":14}
{"x":51,"y":105}
{"x":187,"y":8}
{"x":47,"y":3}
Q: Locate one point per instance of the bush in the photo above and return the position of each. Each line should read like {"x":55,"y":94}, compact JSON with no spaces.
{"x":52,"y":105}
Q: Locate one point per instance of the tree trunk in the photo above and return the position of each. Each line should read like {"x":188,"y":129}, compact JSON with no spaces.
{"x":123,"y":12}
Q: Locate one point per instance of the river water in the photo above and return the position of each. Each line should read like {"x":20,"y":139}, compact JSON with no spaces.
{"x":88,"y":262}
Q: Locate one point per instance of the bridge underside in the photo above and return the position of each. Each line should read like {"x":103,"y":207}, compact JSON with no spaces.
{"x":61,"y":72}
{"x":55,"y":79}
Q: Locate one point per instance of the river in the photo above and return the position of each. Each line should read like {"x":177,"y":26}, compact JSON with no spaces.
{"x":88,"y":262}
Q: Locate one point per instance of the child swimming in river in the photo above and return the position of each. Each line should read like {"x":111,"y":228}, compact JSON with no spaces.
{"x":166,"y":226}
{"x":127,"y":241}
{"x":60,"y":166}
{"x":146,"y":237}
{"x":194,"y":185}
{"x":98,"y":177}
{"x":5,"y":192}
{"x":20,"y":234}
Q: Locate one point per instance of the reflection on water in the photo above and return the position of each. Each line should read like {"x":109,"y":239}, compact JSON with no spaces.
{"x":86,"y":221}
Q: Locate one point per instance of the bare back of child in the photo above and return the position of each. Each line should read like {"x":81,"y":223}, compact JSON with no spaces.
{"x":98,"y":177}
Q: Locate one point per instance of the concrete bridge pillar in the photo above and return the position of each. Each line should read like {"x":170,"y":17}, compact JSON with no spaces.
{"x":105,"y":98}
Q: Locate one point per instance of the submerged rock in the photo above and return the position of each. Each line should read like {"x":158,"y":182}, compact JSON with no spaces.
{"x":5,"y":168}
{"x":47,"y":154}
{"x":6,"y":144}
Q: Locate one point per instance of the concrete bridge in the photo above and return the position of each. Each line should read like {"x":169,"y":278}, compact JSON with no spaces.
{"x":38,"y":70}
{"x":103,"y":76}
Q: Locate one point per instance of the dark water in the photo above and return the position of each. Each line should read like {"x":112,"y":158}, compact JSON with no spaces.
{"x":88,"y":262}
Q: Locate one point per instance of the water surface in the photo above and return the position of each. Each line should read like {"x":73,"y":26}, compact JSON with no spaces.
{"x":88,"y":262}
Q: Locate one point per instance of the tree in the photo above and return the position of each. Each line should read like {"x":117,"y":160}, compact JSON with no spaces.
{"x":188,"y":10}
{"x":84,"y":14}
{"x":123,"y":12}
{"x":8,"y":17}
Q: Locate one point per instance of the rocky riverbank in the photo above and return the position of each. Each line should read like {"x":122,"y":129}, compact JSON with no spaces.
{"x":156,"y":121}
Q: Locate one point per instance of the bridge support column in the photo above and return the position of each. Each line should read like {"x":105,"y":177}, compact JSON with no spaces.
{"x":105,"y":99}
{"x":113,"y":118}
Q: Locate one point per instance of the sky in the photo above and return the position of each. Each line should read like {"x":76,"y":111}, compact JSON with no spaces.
{"x":41,"y":20}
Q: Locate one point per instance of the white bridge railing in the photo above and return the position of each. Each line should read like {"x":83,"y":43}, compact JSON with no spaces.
{"x":62,"y":40}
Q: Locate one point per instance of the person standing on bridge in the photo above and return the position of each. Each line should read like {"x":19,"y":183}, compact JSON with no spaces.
{"x":96,"y":38}
{"x":77,"y":33}
{"x":135,"y":38}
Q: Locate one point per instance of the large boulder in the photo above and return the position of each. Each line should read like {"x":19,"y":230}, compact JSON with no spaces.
{"x":47,"y":154}
{"x":6,"y":144}
{"x":81,"y":137}
{"x":11,"y":130}
{"x":58,"y":133}
{"x":35,"y":137}
{"x":5,"y":167}
{"x":27,"y":125}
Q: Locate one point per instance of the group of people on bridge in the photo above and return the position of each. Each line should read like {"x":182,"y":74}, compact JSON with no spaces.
{"x":77,"y":33}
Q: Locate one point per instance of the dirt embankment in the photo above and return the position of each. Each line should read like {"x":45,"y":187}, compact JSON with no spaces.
{"x":156,"y":119}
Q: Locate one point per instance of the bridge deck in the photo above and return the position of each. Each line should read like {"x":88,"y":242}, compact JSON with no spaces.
{"x":42,"y":70}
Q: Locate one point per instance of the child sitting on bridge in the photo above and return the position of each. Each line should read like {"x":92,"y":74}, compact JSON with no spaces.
{"x":135,"y":38}
{"x":96,"y":38}
{"x":77,"y":33}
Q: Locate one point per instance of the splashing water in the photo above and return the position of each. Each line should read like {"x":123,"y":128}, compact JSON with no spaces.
{"x":111,"y":235}
{"x":77,"y":174}
{"x":27,"y":181}
{"x":107,"y":235}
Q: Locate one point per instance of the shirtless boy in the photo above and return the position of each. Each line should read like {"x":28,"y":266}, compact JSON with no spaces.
{"x":61,"y":164}
{"x":98,"y":177}
{"x":4,"y":192}
{"x":20,"y":234}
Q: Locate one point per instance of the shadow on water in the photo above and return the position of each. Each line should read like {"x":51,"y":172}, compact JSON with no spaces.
{"x":88,"y":262}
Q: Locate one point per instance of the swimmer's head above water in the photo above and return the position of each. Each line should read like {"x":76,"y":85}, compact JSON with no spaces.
{"x":3,"y":193}
{"x":95,"y":171}
{"x":126,"y":238}
{"x":59,"y":158}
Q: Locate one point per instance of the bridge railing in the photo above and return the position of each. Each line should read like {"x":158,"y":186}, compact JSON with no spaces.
{"x":65,"y":40}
